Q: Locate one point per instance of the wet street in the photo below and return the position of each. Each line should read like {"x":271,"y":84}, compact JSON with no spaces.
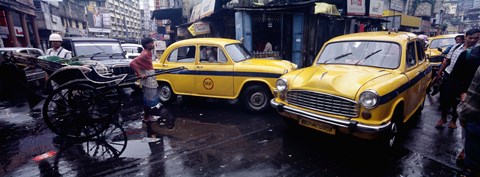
{"x":198,"y":137}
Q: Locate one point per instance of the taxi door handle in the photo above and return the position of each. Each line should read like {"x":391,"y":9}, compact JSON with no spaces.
{"x":164,"y":65}
{"x":199,"y":66}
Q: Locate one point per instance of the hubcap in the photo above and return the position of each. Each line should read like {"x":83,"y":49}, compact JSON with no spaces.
{"x":165,"y":93}
{"x":393,"y":134}
{"x":258,"y":99}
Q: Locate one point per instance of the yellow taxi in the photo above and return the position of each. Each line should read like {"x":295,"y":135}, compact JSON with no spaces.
{"x":364,"y":84}
{"x":436,"y":46}
{"x":219,"y":68}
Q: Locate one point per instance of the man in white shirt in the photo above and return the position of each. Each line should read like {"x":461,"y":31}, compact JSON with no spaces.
{"x":57,"y":49}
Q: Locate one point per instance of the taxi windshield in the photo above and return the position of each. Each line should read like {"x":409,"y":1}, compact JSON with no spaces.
{"x":363,"y":53}
{"x":441,"y":43}
{"x":238,"y":52}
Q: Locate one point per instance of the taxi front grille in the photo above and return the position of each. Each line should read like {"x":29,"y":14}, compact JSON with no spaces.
{"x":323,"y":103}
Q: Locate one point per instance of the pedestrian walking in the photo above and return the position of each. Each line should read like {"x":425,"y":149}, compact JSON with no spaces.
{"x":57,"y":49}
{"x":143,"y":67}
{"x":451,"y":88}
{"x":469,"y":111}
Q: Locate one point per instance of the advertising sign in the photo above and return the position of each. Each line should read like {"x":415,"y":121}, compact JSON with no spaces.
{"x":195,"y":13}
{"x":199,"y":28}
{"x":98,"y":19}
{"x":208,"y":6}
{"x":376,"y":8}
{"x":356,"y":7}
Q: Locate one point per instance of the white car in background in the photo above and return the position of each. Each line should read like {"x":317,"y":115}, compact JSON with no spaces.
{"x":132,"y":50}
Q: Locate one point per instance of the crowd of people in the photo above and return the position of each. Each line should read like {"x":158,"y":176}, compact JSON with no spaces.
{"x":460,"y":96}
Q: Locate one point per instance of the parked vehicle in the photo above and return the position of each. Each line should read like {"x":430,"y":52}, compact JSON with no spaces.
{"x":436,"y":46}
{"x":106,"y":51}
{"x":365,"y":84}
{"x":132,"y":50}
{"x":33,"y":51}
{"x":219,"y":68}
{"x":32,"y":74}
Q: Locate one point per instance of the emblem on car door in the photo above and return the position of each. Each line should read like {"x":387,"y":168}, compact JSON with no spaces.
{"x":208,"y":84}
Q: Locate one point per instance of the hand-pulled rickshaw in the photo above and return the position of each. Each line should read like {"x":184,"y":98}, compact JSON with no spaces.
{"x":82,"y":102}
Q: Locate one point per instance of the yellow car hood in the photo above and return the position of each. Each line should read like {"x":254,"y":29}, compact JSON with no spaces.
{"x":266,"y":65}
{"x":341,"y":80}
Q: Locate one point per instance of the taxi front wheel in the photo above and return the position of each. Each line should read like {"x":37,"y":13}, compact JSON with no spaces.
{"x":256,"y":98}
{"x":166,"y":94}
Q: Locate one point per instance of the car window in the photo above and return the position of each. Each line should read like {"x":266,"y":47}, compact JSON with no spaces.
{"x":132,"y":49}
{"x":411,"y":61}
{"x":420,"y":51}
{"x":182,"y":54}
{"x":365,"y":53}
{"x":212,"y":54}
{"x":238,"y":52}
{"x":23,"y":51}
{"x":36,"y":52}
{"x":441,"y":43}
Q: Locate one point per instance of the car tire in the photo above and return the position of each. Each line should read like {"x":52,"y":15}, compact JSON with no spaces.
{"x":256,"y":98}
{"x":165,"y":93}
{"x":388,"y":141}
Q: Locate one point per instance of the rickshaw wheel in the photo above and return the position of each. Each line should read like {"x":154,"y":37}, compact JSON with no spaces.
{"x":76,"y":110}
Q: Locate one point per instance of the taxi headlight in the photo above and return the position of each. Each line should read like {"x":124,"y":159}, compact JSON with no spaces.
{"x":369,"y":99}
{"x":281,"y":85}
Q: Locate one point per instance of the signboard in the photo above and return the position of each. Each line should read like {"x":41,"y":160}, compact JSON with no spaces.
{"x":376,"y":8}
{"x":98,"y":18}
{"x":208,"y":6}
{"x":195,"y":13}
{"x":160,"y":45}
{"x":99,"y":30}
{"x":18,"y":31}
{"x":182,"y":32}
{"x":396,"y":5}
{"x":4,"y":30}
{"x":199,"y":28}
{"x":356,"y":7}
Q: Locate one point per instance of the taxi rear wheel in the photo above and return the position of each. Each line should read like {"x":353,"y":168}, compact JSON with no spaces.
{"x":256,"y":98}
{"x":166,"y":94}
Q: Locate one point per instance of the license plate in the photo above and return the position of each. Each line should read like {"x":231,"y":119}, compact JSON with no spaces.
{"x":318,"y":126}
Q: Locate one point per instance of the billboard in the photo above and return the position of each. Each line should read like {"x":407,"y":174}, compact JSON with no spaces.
{"x":376,"y":8}
{"x":356,"y":7}
{"x":98,"y":19}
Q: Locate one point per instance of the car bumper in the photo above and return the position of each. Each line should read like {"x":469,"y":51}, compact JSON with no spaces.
{"x":344,"y":126}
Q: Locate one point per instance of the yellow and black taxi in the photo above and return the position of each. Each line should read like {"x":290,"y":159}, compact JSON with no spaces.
{"x":364,"y":84}
{"x":219,"y":68}
{"x":436,"y":46}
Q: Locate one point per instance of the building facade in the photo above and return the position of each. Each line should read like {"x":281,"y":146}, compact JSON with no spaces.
{"x":113,"y":18}
{"x":18,"y":24}
{"x":66,"y":18}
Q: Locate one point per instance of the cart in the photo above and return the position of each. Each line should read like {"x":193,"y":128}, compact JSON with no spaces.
{"x":83,"y":101}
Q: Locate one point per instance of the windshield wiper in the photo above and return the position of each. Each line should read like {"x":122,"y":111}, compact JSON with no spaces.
{"x":368,"y":56}
{"x":115,"y":54}
{"x":95,"y":54}
{"x":338,"y":57}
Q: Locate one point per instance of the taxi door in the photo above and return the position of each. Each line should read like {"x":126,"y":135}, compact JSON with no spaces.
{"x":182,"y":82}
{"x":413,"y":70}
{"x":213,"y":72}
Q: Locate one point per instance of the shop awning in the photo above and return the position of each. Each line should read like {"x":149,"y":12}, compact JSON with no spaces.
{"x":327,"y":9}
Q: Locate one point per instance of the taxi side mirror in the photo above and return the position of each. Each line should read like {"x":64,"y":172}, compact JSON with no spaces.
{"x":440,"y":49}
